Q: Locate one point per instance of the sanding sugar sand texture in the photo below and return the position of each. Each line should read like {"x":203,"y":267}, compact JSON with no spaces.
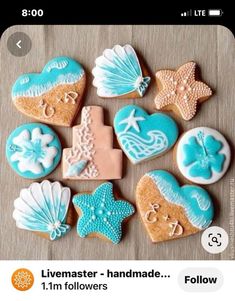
{"x":54,"y":96}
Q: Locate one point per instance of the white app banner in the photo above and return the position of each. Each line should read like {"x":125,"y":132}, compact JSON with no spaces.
{"x":118,"y":280}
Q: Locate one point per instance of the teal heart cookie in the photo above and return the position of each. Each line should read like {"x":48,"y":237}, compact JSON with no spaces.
{"x":143,"y":136}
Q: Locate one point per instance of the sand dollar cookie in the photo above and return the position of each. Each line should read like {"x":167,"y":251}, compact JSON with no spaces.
{"x":43,"y":208}
{"x":203,"y":155}
{"x":143,"y":136}
{"x":119,"y":73}
{"x":54,"y":95}
{"x":180,"y":92}
{"x":170,"y":211}
{"x":92,"y":156}
{"x":33,"y":150}
{"x":100,"y":215}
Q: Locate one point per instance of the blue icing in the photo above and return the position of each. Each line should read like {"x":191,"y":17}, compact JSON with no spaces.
{"x":202,"y":155}
{"x":43,"y":208}
{"x":194,"y":199}
{"x":143,"y":136}
{"x":33,"y":150}
{"x":60,"y":70}
{"x":101,"y":213}
{"x":76,"y":168}
{"x":118,"y":72}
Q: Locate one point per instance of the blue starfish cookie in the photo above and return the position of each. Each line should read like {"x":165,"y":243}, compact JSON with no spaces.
{"x":101,"y":214}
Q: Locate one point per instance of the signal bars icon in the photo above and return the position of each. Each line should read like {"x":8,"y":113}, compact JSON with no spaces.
{"x":186,"y":13}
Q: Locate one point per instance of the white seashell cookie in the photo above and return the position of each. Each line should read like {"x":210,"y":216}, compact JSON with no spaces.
{"x":119,"y":73}
{"x":43,"y":208}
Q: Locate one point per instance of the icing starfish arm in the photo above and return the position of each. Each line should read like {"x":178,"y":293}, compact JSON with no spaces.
{"x":187,"y":72}
{"x":187,"y":109}
{"x":201,"y":90}
{"x":164,"y":98}
{"x":166,"y":77}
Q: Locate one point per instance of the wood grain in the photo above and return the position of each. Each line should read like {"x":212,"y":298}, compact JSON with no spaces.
{"x":212,"y":47}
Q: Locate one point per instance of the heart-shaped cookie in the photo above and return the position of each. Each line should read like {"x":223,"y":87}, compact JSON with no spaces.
{"x":54,"y":95}
{"x":143,"y":136}
{"x":169,"y":211}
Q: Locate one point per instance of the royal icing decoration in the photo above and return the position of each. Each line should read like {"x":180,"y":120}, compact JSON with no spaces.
{"x":33,"y":150}
{"x":143,"y":136}
{"x":43,"y":207}
{"x":54,"y":95}
{"x":118,"y":73}
{"x":180,"y":90}
{"x":92,"y":155}
{"x":180,"y":211}
{"x":203,"y":155}
{"x":101,"y":214}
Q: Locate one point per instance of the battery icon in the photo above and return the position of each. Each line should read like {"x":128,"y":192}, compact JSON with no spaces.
{"x":215,"y":12}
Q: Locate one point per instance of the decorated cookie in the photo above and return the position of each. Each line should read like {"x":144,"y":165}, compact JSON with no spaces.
{"x":43,"y":208}
{"x":100,"y":215}
{"x":202,"y":155}
{"x":92,"y":156}
{"x":33,"y":150}
{"x":119,"y":73}
{"x":169,"y":211}
{"x":179,"y":91}
{"x":54,"y":95}
{"x":143,"y":136}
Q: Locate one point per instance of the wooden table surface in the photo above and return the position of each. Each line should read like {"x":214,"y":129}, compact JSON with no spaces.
{"x":162,"y":47}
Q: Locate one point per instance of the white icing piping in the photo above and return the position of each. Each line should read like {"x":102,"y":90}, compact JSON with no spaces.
{"x":38,"y":90}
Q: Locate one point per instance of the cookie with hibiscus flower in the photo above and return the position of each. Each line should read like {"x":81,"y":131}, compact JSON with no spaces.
{"x":203,"y":155}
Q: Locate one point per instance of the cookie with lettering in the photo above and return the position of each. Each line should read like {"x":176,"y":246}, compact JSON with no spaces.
{"x":180,"y":91}
{"x":143,"y":136}
{"x":100,"y":214}
{"x":54,"y":95}
{"x":33,"y":150}
{"x":119,"y":73}
{"x":92,"y":156}
{"x":44,"y":208}
{"x":171,"y":211}
{"x":203,"y":155}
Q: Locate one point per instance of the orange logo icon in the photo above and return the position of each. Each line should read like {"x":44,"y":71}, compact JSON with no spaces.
{"x":22,"y":279}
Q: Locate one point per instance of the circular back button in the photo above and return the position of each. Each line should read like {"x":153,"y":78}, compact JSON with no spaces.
{"x":19,"y":44}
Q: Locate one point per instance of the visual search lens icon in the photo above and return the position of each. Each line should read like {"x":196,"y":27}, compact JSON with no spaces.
{"x":214,"y":240}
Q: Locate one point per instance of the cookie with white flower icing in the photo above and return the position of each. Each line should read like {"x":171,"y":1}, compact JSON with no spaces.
{"x":168,"y":210}
{"x":143,"y":136}
{"x":92,"y":156}
{"x":33,"y":150}
{"x":100,"y":214}
{"x":180,"y":91}
{"x":119,"y":73}
{"x":43,"y":208}
{"x":203,"y":155}
{"x":54,"y":95}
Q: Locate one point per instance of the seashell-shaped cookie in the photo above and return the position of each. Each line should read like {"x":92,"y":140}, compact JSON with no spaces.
{"x":44,"y":208}
{"x":119,"y":73}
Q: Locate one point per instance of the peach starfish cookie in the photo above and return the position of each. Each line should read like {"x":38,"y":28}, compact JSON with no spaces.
{"x":179,"y":91}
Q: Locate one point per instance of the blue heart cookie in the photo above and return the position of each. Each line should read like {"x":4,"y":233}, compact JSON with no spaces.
{"x":33,"y":150}
{"x":169,"y":211}
{"x":54,"y":95}
{"x":143,"y":136}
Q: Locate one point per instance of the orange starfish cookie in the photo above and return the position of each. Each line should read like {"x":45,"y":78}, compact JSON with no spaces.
{"x":180,"y":92}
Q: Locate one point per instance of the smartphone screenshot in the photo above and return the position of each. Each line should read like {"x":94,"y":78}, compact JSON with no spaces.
{"x":117,"y":170}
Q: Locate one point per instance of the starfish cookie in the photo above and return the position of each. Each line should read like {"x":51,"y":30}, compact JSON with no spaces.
{"x":180,"y":91}
{"x":100,"y":214}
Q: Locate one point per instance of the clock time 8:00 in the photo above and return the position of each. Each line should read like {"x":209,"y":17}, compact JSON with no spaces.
{"x":32,"y":12}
